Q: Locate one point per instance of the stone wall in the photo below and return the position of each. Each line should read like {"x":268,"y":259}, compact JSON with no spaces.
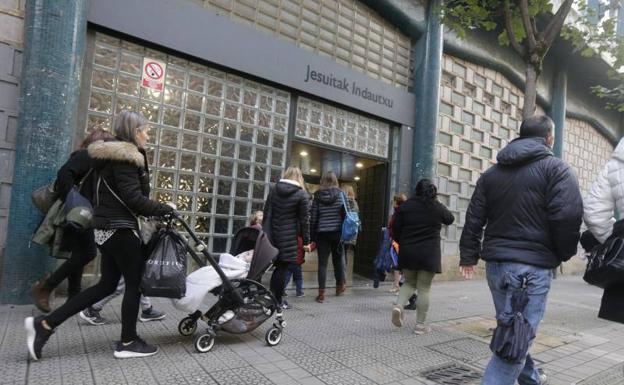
{"x":11,"y":40}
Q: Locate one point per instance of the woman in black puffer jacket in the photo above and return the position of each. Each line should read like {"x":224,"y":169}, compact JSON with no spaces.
{"x":122,"y":170}
{"x":327,"y":215}
{"x":286,"y":217}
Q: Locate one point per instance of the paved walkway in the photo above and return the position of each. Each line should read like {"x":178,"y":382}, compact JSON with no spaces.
{"x":346,"y":340}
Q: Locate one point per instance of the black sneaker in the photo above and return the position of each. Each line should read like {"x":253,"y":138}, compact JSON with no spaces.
{"x":36,"y":336}
{"x":542,"y":377}
{"x":412,"y":303}
{"x":151,"y":315}
{"x":285,"y":305}
{"x":138,"y":348}
{"x":92,"y":316}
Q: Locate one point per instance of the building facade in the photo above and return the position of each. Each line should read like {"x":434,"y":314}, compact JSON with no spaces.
{"x":246,"y":88}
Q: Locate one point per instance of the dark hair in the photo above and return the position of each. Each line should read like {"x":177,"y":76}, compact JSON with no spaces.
{"x":328,"y":180}
{"x":537,"y":126}
{"x":95,"y":135}
{"x":427,"y":190}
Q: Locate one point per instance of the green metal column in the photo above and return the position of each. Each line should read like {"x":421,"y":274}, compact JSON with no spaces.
{"x":55,"y":35}
{"x":428,"y":52}
{"x":558,"y":108}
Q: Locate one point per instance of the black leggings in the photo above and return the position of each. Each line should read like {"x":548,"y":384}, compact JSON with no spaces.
{"x":122,"y":254}
{"x":83,"y":251}
{"x":326,"y":243}
{"x":278,"y":279}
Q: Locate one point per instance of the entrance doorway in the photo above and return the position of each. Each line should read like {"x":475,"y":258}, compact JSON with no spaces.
{"x":368,"y":177}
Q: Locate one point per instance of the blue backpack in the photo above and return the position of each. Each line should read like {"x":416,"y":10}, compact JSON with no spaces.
{"x":350,"y":225}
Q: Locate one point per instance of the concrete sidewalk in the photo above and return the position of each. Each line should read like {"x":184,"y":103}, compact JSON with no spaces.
{"x":346,"y":340}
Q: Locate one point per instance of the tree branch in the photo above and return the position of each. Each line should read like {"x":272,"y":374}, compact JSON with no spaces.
{"x":554,"y":26}
{"x":512,"y":38}
{"x":528,"y":26}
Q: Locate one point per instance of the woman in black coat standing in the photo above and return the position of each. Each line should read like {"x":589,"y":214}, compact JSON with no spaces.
{"x":327,"y":215}
{"x":286,"y":217}
{"x":416,"y":228}
{"x":121,"y":194}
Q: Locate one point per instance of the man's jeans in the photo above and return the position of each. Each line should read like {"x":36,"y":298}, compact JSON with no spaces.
{"x":503,"y":279}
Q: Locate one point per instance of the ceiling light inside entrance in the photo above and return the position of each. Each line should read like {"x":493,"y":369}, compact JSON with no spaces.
{"x":357,"y":178}
{"x":359,"y":165}
{"x":303,"y":153}
{"x":313,"y":170}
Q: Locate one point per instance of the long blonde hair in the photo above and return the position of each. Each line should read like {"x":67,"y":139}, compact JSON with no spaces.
{"x":348,"y":190}
{"x":294,"y":173}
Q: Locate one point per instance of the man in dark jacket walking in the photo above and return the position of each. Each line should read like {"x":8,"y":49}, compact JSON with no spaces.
{"x":531,"y":208}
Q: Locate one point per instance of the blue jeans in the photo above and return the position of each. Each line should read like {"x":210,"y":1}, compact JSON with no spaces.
{"x":503,"y":280}
{"x":294,"y":270}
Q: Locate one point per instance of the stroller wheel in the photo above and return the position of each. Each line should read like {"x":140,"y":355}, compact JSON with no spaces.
{"x":273,"y":336}
{"x":204,"y":343}
{"x":187,"y":326}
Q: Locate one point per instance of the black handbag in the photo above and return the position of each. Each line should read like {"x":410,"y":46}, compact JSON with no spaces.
{"x":605,"y":265}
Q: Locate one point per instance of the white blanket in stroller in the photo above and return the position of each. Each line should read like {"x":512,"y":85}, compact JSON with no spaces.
{"x":201,"y":281}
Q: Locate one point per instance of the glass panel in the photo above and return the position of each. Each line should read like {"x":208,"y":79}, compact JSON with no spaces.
{"x":207,"y":165}
{"x":165,"y":179}
{"x":226,"y":167}
{"x":221,"y":226}
{"x":167,"y":159}
{"x":242,"y":189}
{"x":223,"y":206}
{"x":188,"y":153}
{"x":205,"y":185}
{"x":186,"y":182}
{"x":188,"y":162}
{"x":229,"y":130}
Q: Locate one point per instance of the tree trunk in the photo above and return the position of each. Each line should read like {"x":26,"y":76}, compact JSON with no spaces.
{"x":530,"y":91}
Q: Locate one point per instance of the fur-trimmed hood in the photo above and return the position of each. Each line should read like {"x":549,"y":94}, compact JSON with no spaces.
{"x":116,"y":151}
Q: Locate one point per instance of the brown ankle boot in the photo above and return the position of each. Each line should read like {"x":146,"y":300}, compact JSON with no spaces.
{"x":321,"y":297}
{"x":41,"y":296}
{"x":341,"y":287}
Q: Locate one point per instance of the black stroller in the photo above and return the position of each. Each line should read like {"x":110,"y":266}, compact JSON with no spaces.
{"x":247,"y":301}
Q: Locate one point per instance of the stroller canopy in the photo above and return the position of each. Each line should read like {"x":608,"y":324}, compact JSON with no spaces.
{"x":249,"y":238}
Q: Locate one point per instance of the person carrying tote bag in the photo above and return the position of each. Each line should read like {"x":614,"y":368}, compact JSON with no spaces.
{"x":605,"y":197}
{"x":123,"y":164}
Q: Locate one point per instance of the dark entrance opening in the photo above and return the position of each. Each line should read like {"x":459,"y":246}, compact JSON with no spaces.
{"x":368,"y":177}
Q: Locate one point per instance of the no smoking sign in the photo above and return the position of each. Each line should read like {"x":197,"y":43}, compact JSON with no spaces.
{"x":153,"y":74}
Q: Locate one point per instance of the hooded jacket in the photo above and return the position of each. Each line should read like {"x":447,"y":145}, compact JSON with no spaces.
{"x":124,"y":167}
{"x":604,"y":198}
{"x":327,"y":211}
{"x":287,"y":216}
{"x":530,"y":206}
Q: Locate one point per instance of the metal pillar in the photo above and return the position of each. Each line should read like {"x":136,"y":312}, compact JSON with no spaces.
{"x":558,"y":108}
{"x":427,"y":90}
{"x":55,"y":35}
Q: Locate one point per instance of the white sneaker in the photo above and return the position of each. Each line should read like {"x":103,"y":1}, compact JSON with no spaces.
{"x":397,"y":317}
{"x":422,"y":329}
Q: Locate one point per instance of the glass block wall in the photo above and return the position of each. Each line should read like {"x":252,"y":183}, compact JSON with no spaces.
{"x":586,"y":150}
{"x":217,"y":139}
{"x":344,"y":30}
{"x":323,"y":123}
{"x":480,"y":112}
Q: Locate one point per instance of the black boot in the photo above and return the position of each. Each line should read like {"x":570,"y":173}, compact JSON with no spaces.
{"x":412,"y":303}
